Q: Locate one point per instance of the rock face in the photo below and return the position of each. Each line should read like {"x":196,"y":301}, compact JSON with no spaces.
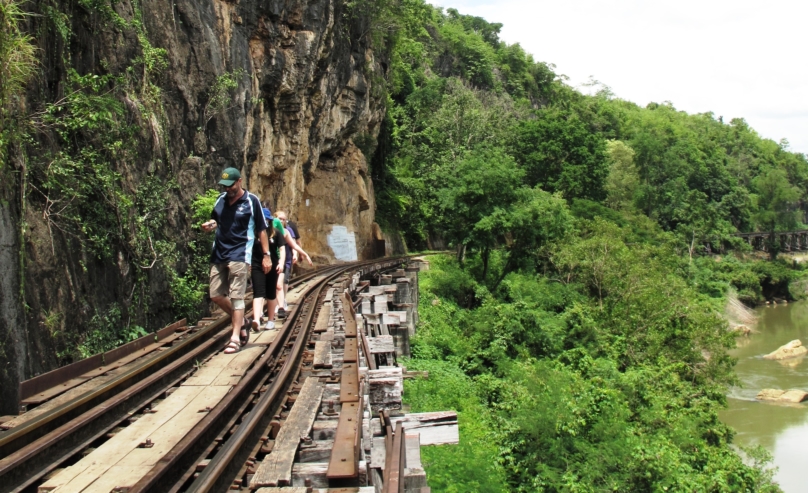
{"x":776,"y":395}
{"x":309,"y":100}
{"x":310,"y":86}
{"x":791,"y":350}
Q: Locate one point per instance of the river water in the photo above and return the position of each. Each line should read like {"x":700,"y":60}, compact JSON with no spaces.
{"x":780,"y":428}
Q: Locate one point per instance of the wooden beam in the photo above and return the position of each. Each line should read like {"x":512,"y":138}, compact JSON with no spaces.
{"x":322,"y":354}
{"x":276,"y":468}
{"x":344,"y":461}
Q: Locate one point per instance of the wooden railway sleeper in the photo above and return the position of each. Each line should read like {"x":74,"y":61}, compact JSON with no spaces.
{"x":305,"y":308}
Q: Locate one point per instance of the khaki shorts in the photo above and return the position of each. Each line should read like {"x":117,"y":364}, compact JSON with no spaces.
{"x":229,"y":280}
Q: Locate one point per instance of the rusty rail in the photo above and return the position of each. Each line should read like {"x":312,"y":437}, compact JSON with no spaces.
{"x":214,"y":475}
{"x":218,"y":474}
{"x":36,"y":448}
{"x":33,"y":449}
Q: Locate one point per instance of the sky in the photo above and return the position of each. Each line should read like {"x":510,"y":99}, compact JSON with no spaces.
{"x":736,"y":58}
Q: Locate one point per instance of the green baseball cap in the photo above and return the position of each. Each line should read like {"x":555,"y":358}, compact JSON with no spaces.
{"x":229,"y":176}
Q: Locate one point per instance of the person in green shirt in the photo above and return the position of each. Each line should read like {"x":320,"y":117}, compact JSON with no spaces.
{"x":264,"y":283}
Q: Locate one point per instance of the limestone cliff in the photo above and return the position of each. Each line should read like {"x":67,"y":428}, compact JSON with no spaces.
{"x":307,"y":87}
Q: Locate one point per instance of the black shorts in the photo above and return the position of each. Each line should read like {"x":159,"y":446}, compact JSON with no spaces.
{"x":287,"y":270}
{"x":264,"y":284}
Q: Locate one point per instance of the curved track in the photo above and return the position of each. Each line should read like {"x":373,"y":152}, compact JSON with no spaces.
{"x":226,"y":439}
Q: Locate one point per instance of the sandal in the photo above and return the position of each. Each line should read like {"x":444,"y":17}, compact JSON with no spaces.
{"x":243,"y":336}
{"x":232,"y":347}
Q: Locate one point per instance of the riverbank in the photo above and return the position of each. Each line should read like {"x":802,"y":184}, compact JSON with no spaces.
{"x":782,"y":429}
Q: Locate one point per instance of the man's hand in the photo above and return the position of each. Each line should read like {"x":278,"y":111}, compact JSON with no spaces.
{"x":209,"y":226}
{"x":295,"y":256}
{"x":266,"y":264}
{"x":279,"y":269}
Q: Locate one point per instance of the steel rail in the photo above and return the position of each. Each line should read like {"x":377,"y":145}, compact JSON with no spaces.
{"x":218,"y":474}
{"x":176,"y":469}
{"x":15,"y":438}
{"x":37,"y":447}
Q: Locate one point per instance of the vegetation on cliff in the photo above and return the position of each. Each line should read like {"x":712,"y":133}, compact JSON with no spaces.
{"x":578,"y":329}
{"x":458,"y":95}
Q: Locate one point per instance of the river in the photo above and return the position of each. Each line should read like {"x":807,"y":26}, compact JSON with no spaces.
{"x":781,"y":429}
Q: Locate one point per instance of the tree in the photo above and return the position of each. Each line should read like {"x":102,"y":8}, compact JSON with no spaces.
{"x":535,"y":220}
{"x":560,"y":154}
{"x":777,"y":205}
{"x":623,"y":179}
{"x":481,"y":183}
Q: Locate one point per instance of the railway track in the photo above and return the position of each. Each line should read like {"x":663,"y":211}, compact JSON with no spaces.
{"x":222,"y":445}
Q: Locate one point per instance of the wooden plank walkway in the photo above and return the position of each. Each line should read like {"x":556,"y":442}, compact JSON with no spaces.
{"x":88,"y":386}
{"x":265,"y":337}
{"x":226,"y":369}
{"x":125,"y":458}
{"x":294,"y":294}
{"x":276,"y":468}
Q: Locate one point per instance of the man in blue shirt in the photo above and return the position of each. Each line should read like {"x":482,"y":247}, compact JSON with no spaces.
{"x":238,"y":221}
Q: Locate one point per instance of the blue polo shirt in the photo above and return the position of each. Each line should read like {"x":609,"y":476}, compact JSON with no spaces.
{"x":239,"y":227}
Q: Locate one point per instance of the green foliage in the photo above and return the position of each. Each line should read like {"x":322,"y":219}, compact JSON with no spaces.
{"x":455,"y":87}
{"x":188,"y":289}
{"x":560,"y":154}
{"x":776,"y":200}
{"x":17,"y":65}
{"x":82,"y":191}
{"x":220,"y":95}
{"x":589,"y":377}
{"x":623,"y":179}
{"x":17,"y":53}
{"x":107,"y":331}
{"x":202,"y":206}
{"x":478,"y":185}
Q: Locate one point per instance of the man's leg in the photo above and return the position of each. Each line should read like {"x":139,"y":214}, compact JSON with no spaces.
{"x":219,"y":290}
{"x":224,"y":304}
{"x":238,"y":286}
{"x":219,"y":274}
{"x":238,"y":321}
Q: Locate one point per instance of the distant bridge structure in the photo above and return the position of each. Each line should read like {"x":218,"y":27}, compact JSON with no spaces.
{"x":789,"y":240}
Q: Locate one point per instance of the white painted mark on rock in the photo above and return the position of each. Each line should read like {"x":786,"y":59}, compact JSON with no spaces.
{"x":342,"y":243}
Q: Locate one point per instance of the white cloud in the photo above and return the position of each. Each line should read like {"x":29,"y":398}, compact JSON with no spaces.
{"x":738,"y":58}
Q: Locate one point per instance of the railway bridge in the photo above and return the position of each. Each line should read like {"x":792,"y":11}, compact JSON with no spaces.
{"x":312,"y":406}
{"x":789,"y":241}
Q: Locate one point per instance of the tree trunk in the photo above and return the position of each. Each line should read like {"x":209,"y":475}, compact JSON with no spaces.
{"x":486,"y":256}
{"x":774,"y":248}
{"x":461,"y":253}
{"x":504,"y":273}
